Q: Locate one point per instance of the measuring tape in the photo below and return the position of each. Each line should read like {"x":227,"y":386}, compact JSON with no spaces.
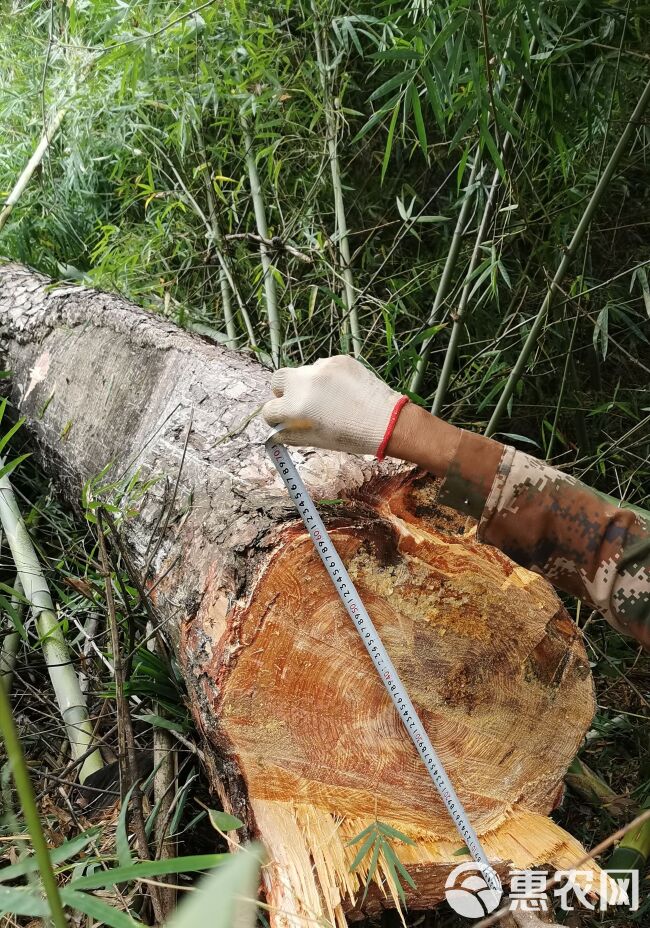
{"x":388,"y":675}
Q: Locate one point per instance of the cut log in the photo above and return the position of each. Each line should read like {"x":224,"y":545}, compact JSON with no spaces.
{"x":303,"y":742}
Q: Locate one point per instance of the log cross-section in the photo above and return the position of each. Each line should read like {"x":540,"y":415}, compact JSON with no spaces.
{"x":303,"y":741}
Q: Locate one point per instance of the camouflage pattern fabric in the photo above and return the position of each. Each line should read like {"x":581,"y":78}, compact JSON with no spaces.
{"x":583,"y":542}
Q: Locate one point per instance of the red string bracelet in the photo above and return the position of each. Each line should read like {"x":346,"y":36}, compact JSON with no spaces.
{"x":392,"y":422}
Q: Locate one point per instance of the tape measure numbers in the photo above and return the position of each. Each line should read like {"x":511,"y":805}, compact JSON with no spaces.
{"x":383,"y":664}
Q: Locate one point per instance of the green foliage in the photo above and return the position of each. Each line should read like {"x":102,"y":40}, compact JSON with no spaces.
{"x":145,"y":184}
{"x":147,"y":179}
{"x":376,"y":848}
{"x":226,"y":897}
{"x":78,"y":893}
{"x":222,"y":821}
{"x":49,"y":901}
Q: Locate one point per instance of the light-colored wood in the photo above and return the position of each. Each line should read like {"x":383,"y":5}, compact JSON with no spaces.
{"x":495,"y":667}
{"x":303,"y":743}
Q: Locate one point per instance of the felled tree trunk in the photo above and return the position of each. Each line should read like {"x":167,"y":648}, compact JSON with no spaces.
{"x":304,"y":744}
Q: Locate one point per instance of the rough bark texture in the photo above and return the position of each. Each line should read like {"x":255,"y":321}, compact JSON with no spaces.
{"x":305,"y":745}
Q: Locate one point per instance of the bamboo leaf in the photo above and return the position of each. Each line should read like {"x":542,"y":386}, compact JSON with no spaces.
{"x":361,"y":835}
{"x":11,"y":466}
{"x":374,"y":120}
{"x":397,"y":54}
{"x":601,"y":331}
{"x":461,"y":852}
{"x":394,"y":833}
{"x":372,"y":869}
{"x":389,"y":857}
{"x":431,"y":220}
{"x":14,"y":615}
{"x":22,"y":900}
{"x":419,"y":121}
{"x":389,"y":141}
{"x":468,"y":120}
{"x":488,"y":141}
{"x":489,"y":396}
{"x":124,"y":855}
{"x":225,"y":897}
{"x":428,"y":333}
{"x":393,"y":83}
{"x":513,"y":436}
{"x":96,"y":908}
{"x":363,"y":850}
{"x":9,"y":435}
{"x":404,"y":872}
{"x":222,"y":821}
{"x":148,"y":868}
{"x":482,"y":273}
{"x":160,"y":722}
{"x":433,"y":97}
{"x":58,"y":856}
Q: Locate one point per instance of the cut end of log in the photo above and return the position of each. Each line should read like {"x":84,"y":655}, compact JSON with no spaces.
{"x":309,"y":875}
{"x":496,"y":670}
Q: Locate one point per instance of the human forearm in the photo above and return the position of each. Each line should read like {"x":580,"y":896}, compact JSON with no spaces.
{"x":545,"y":520}
{"x":583,"y":542}
{"x":467,"y":462}
{"x":424,"y":440}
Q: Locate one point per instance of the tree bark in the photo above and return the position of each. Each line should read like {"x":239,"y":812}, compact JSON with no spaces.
{"x":303,"y":743}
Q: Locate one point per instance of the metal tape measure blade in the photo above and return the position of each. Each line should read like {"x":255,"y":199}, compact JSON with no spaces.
{"x":356,"y":610}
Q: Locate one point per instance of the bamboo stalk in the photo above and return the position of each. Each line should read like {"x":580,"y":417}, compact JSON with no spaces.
{"x":262,"y":229}
{"x":164,"y":791}
{"x":164,"y":759}
{"x":214,"y":234}
{"x":444,"y":287}
{"x":461,"y":312}
{"x":70,"y":699}
{"x":633,"y":851}
{"x":448,"y":271}
{"x":589,"y":786}
{"x":226,"y":303}
{"x":31,"y":166}
{"x":229,"y":287}
{"x":128,"y":761}
{"x":25,"y":790}
{"x":342,"y":239}
{"x":227,"y":309}
{"x":569,"y":254}
{"x":11,"y":642}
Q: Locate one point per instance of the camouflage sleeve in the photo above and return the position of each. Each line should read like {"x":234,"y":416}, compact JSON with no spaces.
{"x":583,"y":542}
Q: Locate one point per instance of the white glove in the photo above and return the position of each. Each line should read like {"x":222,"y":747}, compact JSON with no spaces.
{"x":335,"y":403}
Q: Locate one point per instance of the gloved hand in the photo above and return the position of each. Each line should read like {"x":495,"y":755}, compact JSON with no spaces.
{"x":335,"y":403}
